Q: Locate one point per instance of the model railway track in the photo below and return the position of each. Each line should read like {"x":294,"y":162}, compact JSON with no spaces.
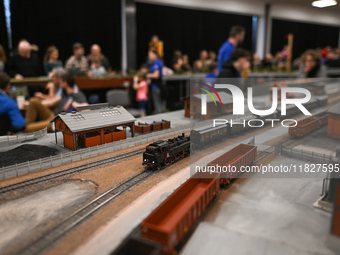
{"x":69,"y":171}
{"x":45,"y":241}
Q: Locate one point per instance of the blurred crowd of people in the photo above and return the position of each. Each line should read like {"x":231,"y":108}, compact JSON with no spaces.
{"x":61,"y":94}
{"x":26,"y":63}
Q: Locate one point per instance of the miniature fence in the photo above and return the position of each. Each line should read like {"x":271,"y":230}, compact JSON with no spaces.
{"x":14,"y":139}
{"x":72,"y":156}
{"x":309,"y":156}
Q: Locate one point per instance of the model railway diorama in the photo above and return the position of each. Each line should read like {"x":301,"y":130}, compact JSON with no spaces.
{"x":162,"y":152}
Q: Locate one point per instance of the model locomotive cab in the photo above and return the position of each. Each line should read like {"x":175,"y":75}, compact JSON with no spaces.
{"x":162,"y":153}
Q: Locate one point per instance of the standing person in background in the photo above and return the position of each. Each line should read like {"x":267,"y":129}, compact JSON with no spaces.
{"x":156,"y":80}
{"x":157,"y":45}
{"x":236,"y":37}
{"x":96,"y":52}
{"x":140,"y":84}
{"x":3,"y":59}
{"x":311,"y":66}
{"x":51,"y":59}
{"x":77,"y":63}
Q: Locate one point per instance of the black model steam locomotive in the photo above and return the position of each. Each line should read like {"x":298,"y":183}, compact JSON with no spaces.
{"x":161,"y":153}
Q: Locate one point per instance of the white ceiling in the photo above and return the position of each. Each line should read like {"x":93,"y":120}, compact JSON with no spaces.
{"x":298,"y":10}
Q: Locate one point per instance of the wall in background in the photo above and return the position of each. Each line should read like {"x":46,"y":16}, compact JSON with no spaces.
{"x":306,"y":36}
{"x":186,"y":30}
{"x":3,"y":29}
{"x":65,"y":22}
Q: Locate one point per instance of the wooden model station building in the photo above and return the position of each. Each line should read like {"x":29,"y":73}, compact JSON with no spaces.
{"x":95,"y":126}
{"x":192,"y":108}
{"x":334,"y":121}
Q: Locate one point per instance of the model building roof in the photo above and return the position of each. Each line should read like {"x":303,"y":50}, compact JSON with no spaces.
{"x":225,"y":97}
{"x":335,"y":109}
{"x":95,"y":119}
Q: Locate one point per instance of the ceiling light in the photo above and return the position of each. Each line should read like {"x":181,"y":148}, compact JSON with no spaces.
{"x":324,"y":3}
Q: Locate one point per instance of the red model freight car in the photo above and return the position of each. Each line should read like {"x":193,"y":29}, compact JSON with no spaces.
{"x":154,"y":126}
{"x":133,"y":246}
{"x":171,"y":220}
{"x":241,"y":155}
{"x":142,"y":128}
{"x":304,"y":126}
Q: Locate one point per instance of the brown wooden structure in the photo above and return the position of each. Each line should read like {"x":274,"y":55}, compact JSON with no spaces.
{"x":94,"y":127}
{"x":334,"y":121}
{"x":154,"y":126}
{"x":82,"y":82}
{"x":192,"y":106}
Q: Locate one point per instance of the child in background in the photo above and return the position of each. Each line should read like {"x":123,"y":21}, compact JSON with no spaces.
{"x":97,"y":70}
{"x":140,"y":84}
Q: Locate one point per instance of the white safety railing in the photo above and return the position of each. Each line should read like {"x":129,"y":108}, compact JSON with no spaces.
{"x":306,"y":155}
{"x":14,"y":139}
{"x":64,"y":158}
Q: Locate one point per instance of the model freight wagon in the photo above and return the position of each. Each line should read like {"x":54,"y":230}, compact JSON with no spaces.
{"x":143,"y":128}
{"x":241,"y":155}
{"x":133,"y":246}
{"x":154,"y":126}
{"x":170,"y":221}
{"x":304,"y":126}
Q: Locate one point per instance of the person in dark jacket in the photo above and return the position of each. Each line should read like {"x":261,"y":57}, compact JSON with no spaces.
{"x":24,"y":64}
{"x":239,"y":62}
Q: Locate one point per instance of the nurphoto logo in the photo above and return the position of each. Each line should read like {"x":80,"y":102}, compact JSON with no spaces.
{"x":238,"y":102}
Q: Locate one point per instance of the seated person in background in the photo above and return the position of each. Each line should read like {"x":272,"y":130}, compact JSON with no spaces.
{"x":210,"y":78}
{"x":177,"y":61}
{"x":205,"y":61}
{"x":238,"y":63}
{"x":311,"y":66}
{"x":267,"y":61}
{"x":140,"y":84}
{"x":77,"y":63}
{"x":213,"y":71}
{"x":38,"y":116}
{"x":51,"y":59}
{"x":24,"y":64}
{"x":72,"y":96}
{"x":186,"y":66}
{"x":9,"y":107}
{"x":198,"y":66}
{"x":97,"y":69}
{"x":333,"y":59}
{"x":256,"y":61}
{"x":96,"y":52}
{"x":212,"y":57}
{"x":53,"y":88}
{"x":3,"y":59}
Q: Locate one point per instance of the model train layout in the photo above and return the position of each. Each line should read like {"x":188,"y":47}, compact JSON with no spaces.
{"x":163,"y":199}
